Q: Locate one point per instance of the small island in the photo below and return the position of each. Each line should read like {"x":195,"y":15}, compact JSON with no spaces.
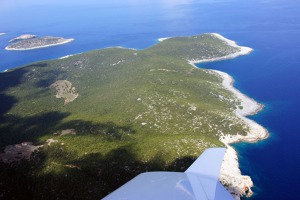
{"x":28,"y":42}
{"x":2,"y":34}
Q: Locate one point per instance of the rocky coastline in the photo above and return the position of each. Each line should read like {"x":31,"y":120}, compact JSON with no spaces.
{"x":230,"y":176}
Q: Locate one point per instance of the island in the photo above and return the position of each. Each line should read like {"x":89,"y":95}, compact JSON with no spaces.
{"x":2,"y":34}
{"x":29,"y":42}
{"x":129,"y":111}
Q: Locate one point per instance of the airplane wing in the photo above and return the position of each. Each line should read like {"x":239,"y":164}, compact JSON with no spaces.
{"x":199,"y":182}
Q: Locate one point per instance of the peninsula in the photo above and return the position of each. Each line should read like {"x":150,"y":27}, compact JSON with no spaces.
{"x":28,"y":42}
{"x":130,"y":110}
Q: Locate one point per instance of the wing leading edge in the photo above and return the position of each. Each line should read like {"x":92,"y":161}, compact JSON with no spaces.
{"x":199,"y":182}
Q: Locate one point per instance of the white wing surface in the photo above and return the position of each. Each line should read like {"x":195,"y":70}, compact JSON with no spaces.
{"x":199,"y":182}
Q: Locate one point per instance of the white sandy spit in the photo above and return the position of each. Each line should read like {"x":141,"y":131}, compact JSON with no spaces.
{"x":23,"y":49}
{"x":2,"y":34}
{"x":230,"y":174}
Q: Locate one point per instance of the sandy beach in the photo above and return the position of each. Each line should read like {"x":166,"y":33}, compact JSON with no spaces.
{"x":38,"y":47}
{"x":230,"y":174}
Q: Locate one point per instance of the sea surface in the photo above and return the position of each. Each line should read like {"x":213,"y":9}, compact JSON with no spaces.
{"x":270,"y":74}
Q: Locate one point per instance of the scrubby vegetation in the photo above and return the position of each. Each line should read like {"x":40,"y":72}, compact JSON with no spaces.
{"x":136,"y":111}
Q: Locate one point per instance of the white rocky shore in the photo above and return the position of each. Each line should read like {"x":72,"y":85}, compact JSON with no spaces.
{"x":230,"y":174}
{"x":162,"y":39}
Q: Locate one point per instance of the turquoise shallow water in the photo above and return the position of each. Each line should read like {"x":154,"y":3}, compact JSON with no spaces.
{"x":270,"y":74}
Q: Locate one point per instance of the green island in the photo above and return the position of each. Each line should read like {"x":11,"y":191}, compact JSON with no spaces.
{"x":100,"y":118}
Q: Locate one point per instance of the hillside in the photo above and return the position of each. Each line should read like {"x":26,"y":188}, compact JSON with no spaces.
{"x":111,"y":114}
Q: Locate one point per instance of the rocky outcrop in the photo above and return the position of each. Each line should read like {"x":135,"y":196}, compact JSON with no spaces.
{"x":18,"y":152}
{"x":64,"y":90}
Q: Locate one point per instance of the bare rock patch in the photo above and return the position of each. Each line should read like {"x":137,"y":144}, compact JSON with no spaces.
{"x":64,"y":90}
{"x":18,"y":152}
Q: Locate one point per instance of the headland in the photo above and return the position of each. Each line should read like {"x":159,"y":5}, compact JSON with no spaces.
{"x":242,"y":51}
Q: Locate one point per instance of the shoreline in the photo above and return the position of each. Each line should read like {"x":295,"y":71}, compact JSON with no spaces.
{"x":67,"y":56}
{"x":238,"y":184}
{"x":250,"y":107}
{"x":2,"y":34}
{"x":230,"y":175}
{"x":49,"y":45}
{"x":120,"y":47}
{"x":162,"y":39}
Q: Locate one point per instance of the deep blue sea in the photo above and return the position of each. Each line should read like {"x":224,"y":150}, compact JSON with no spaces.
{"x":270,"y":75}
